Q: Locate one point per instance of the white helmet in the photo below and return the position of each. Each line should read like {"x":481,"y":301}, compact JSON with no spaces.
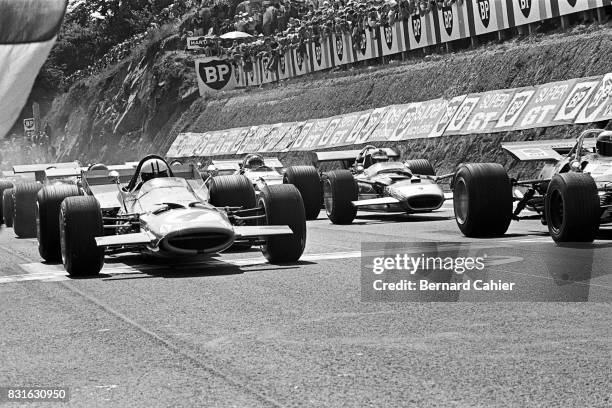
{"x":153,"y":168}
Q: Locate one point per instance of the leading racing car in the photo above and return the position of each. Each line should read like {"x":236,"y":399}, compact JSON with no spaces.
{"x":572,"y":194}
{"x":165,"y":211}
{"x":374,"y":180}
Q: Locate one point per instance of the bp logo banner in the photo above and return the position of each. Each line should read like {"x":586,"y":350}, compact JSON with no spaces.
{"x":214,"y":75}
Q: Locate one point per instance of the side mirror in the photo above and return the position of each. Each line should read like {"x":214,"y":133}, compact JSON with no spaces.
{"x":114,"y":175}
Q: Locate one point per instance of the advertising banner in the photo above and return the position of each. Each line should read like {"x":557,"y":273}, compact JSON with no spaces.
{"x":196,"y":43}
{"x":241,"y":138}
{"x":229,"y":140}
{"x":326,"y":137}
{"x":369,"y":126}
{"x":344,"y":128}
{"x":299,"y":139}
{"x":355,"y":132}
{"x":564,"y":7}
{"x":217,"y":139}
{"x":316,"y":132}
{"x":485,"y":113}
{"x":215,"y":75}
{"x":522,"y":12}
{"x":367,"y":48}
{"x":577,"y":99}
{"x":487,"y":16}
{"x":342,"y":49}
{"x":200,"y":145}
{"x":546,"y":102}
{"x":247,"y":141}
{"x":321,"y":55}
{"x":451,"y":23}
{"x":599,"y":106}
{"x":207,"y":146}
{"x":300,"y":63}
{"x":290,"y":134}
{"x":392,"y":39}
{"x":515,"y":108}
{"x":284,"y":66}
{"x":389,"y":123}
{"x":175,"y":147}
{"x":421,"y":31}
{"x":420,"y":119}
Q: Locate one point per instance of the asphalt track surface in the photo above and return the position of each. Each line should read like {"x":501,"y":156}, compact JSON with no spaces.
{"x":238,"y":332}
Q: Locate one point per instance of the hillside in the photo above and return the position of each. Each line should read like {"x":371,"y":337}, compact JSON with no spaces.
{"x":140,"y":104}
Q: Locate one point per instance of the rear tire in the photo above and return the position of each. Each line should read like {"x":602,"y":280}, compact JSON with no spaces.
{"x":80,"y":223}
{"x":482,"y":199}
{"x":306,"y":179}
{"x":284,"y":206}
{"x":48,"y":204}
{"x":421,"y":167}
{"x":339,"y":190}
{"x":8,"y":206}
{"x":572,"y":208}
{"x":24,"y":221}
{"x":4,"y":185}
{"x":233,"y":191}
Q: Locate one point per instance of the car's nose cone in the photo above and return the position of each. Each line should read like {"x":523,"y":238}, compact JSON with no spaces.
{"x":419,"y":196}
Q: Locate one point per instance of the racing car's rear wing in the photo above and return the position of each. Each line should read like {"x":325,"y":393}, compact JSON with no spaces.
{"x":227,"y":164}
{"x":349,"y":155}
{"x":543,"y":150}
{"x":55,"y":173}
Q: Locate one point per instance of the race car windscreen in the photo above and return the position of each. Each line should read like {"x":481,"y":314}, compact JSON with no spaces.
{"x":27,"y":33}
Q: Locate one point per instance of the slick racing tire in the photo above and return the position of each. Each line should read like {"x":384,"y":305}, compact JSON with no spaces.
{"x":24,"y":217}
{"x":306,"y":179}
{"x":482,"y":199}
{"x":4,"y":185}
{"x":8,"y":206}
{"x":572,"y":208}
{"x":420,"y":167}
{"x":283,"y":205}
{"x":80,"y":222}
{"x":232,"y":191}
{"x":339,"y":190}
{"x":48,"y":204}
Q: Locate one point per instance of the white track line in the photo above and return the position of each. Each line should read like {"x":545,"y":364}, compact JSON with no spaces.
{"x":53,"y":273}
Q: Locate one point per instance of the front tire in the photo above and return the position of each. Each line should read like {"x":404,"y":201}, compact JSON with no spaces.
{"x":306,"y":179}
{"x":572,"y":208}
{"x":80,"y":223}
{"x":482,"y":199}
{"x":48,"y":204}
{"x":420,"y":167}
{"x":4,"y":185}
{"x":24,"y":221}
{"x":8,"y":206}
{"x":339,"y":190}
{"x":283,"y":205}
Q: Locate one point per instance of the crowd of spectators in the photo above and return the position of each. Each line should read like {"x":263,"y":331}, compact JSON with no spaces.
{"x":281,"y":24}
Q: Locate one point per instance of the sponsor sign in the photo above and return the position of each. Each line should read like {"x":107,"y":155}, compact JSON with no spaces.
{"x":488,"y":15}
{"x":320,"y":55}
{"x":420,"y":119}
{"x":368,"y":48}
{"x":367,"y":129}
{"x":284,"y":66}
{"x":599,"y":105}
{"x":344,"y":128}
{"x":452,"y":106}
{"x":542,"y":108}
{"x":462,"y":114}
{"x":577,"y":99}
{"x":316,"y":132}
{"x":301,"y":137}
{"x":290,"y":134}
{"x":355,"y":132}
{"x":515,"y":108}
{"x":420,"y":31}
{"x":452,"y":22}
{"x":485,"y":114}
{"x":391,"y":38}
{"x":389,"y":123}
{"x":198,"y":145}
{"x":526,"y":11}
{"x":342,"y":48}
{"x":325,"y":138}
{"x":247,"y":142}
{"x":301,"y":63}
{"x":196,"y":43}
{"x":215,"y":75}
{"x":229,"y":140}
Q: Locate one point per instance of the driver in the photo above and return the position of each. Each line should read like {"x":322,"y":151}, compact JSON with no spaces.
{"x":152,"y":168}
{"x":253,"y":161}
{"x":604,"y":144}
{"x":376,"y":156}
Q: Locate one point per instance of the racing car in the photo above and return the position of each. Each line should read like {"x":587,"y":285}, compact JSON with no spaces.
{"x":270,"y":171}
{"x":19,"y":194}
{"x":372,"y":179}
{"x":572,"y":194}
{"x":167,"y":212}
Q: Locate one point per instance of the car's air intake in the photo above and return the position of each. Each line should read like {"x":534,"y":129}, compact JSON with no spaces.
{"x":196,"y":242}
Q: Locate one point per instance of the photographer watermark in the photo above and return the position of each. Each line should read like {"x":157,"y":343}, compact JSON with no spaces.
{"x":34,"y":394}
{"x":450,"y":271}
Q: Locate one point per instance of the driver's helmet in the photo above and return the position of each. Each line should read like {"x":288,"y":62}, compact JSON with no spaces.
{"x":604,"y":143}
{"x":153,"y":168}
{"x":253,"y":161}
{"x":379,"y":156}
